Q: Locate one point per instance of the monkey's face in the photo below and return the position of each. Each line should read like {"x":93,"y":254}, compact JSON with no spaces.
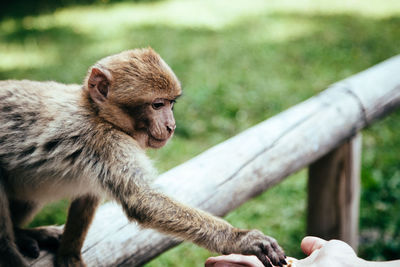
{"x":161,"y":122}
{"x":154,"y":123}
{"x":136,"y":91}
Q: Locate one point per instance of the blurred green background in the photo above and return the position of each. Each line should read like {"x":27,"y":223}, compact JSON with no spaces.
{"x":240,"y":62}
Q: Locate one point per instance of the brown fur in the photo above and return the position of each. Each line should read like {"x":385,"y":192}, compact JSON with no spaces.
{"x":84,"y":142}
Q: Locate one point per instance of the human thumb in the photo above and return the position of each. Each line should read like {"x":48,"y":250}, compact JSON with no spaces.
{"x":311,"y":243}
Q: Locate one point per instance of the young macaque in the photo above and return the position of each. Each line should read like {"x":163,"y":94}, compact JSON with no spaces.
{"x":86,"y":142}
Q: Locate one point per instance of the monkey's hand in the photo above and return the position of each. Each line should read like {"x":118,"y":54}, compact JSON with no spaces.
{"x":266,"y":248}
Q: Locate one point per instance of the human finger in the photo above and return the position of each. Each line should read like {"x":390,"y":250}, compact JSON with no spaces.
{"x":234,"y":260}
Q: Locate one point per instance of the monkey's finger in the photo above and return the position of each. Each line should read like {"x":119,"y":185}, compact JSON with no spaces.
{"x":273,"y":251}
{"x":280,"y":253}
{"x":281,"y":256}
{"x":264,"y":259}
{"x":28,"y":246}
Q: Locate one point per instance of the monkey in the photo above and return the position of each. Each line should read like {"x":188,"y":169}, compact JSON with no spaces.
{"x":88,"y":142}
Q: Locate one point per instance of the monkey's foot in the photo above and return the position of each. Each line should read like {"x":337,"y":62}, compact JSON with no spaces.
{"x":69,"y":261}
{"x":29,"y":241}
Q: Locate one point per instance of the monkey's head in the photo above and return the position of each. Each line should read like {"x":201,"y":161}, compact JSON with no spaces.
{"x":135,"y":91}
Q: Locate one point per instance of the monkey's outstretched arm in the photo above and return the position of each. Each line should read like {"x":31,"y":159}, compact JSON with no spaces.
{"x":154,"y":210}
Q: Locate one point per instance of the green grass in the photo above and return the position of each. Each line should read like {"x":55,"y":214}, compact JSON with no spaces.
{"x":239,"y":64}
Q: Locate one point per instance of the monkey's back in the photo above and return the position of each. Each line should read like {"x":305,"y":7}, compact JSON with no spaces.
{"x":40,"y":127}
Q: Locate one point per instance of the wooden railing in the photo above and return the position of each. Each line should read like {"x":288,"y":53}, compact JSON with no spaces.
{"x":321,"y":132}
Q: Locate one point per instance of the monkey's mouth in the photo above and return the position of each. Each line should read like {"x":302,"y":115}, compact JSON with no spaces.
{"x":156,"y":143}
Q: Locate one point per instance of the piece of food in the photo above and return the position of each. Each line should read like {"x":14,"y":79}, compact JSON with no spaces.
{"x":290,"y":262}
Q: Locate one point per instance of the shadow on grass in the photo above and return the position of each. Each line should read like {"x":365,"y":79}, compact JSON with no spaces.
{"x":21,"y":8}
{"x":241,"y":74}
{"x":53,"y":34}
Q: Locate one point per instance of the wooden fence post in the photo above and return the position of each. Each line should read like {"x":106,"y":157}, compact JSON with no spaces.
{"x":334,"y":194}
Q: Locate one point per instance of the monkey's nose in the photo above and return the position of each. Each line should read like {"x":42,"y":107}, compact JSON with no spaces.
{"x":171,"y":128}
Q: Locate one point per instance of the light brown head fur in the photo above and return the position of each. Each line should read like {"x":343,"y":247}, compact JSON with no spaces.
{"x":135,"y":91}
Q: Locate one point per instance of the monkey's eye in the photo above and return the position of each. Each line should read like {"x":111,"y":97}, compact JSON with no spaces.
{"x":173,"y":104}
{"x":157,"y":105}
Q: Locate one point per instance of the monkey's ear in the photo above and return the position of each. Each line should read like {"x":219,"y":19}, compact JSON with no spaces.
{"x":98,"y":84}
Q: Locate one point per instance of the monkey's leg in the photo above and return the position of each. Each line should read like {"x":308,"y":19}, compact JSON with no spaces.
{"x":29,"y":241}
{"x":80,"y":216}
{"x":21,"y":213}
{"x":9,"y":254}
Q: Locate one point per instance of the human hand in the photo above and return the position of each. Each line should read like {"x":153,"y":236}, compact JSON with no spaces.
{"x":234,"y":260}
{"x":327,"y":253}
{"x":320,"y":253}
{"x":237,"y":260}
